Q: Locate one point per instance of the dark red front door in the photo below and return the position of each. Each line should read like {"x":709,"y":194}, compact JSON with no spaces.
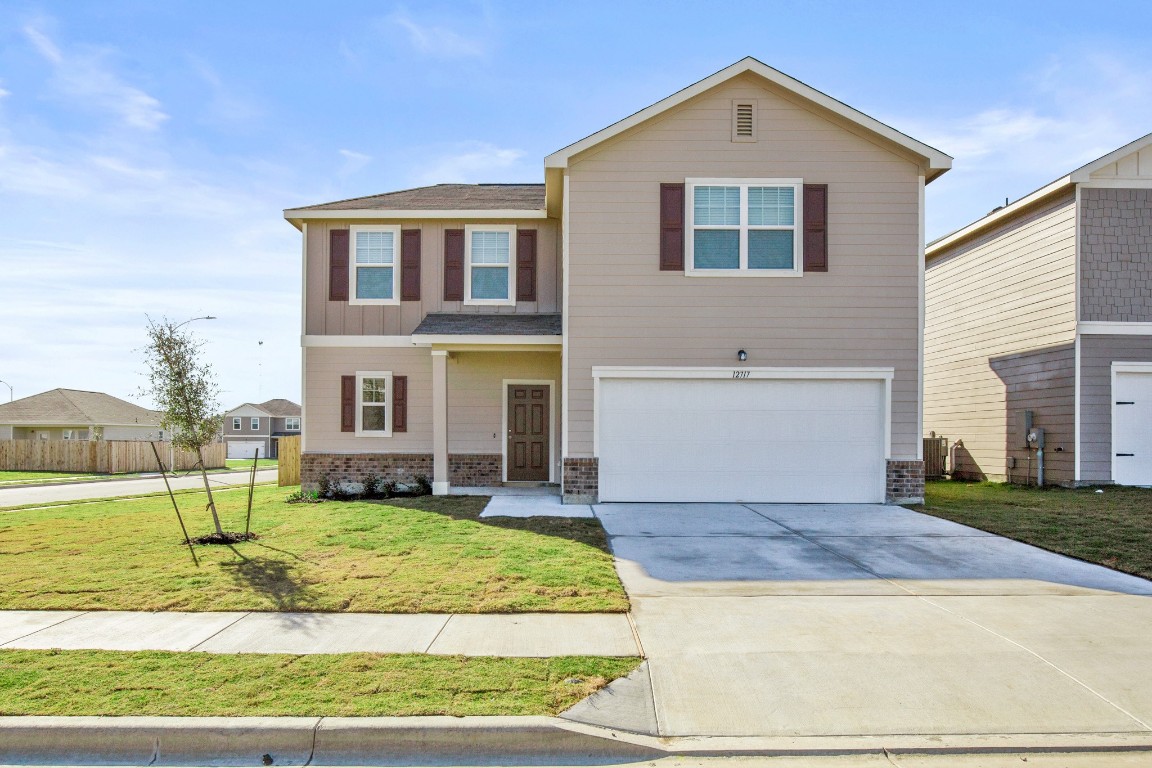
{"x":528,"y":432}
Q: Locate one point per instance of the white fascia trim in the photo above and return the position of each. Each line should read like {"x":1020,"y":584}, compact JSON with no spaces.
{"x":1118,"y":184}
{"x":1084,"y":172}
{"x":1095,"y":328}
{"x":995,"y":217}
{"x":301,"y":215}
{"x":713,"y":372}
{"x":355,"y":341}
{"x":456,"y":340}
{"x":934,"y":159}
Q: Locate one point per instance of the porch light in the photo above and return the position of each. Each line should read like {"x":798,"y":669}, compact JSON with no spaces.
{"x":741,"y":355}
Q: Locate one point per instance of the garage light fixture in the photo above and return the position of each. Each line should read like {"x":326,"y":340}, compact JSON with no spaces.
{"x":741,"y":355}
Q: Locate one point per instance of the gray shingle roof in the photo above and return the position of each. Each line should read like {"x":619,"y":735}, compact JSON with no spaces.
{"x":490,"y":325}
{"x":75,"y":406}
{"x":280,"y":408}
{"x":464,"y":197}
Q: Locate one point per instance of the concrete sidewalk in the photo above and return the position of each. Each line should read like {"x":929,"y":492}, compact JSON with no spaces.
{"x":526,"y":635}
{"x":110,"y":489}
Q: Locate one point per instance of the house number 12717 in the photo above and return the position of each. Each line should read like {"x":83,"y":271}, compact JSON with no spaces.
{"x":740,"y":374}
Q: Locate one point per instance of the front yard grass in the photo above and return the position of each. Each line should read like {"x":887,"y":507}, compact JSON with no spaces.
{"x":354,"y":684}
{"x":418,"y":555}
{"x":14,"y":476}
{"x":1112,"y":528}
{"x":238,"y":464}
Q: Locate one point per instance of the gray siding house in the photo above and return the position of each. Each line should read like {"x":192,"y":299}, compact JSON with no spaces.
{"x":259,"y":426}
{"x":1042,"y":311}
{"x":718,"y":298}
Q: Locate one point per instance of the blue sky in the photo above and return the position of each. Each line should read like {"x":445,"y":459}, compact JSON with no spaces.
{"x":147,"y":149}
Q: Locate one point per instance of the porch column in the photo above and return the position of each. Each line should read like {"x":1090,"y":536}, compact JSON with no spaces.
{"x":439,"y":422}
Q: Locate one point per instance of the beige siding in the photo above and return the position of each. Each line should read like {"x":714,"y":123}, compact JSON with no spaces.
{"x":1000,"y":328}
{"x":624,"y":311}
{"x":323,"y":317}
{"x":1097,"y":353}
{"x":475,"y":397}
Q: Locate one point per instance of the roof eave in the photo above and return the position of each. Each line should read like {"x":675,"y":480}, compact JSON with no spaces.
{"x":296,"y":216}
{"x":996,"y":217}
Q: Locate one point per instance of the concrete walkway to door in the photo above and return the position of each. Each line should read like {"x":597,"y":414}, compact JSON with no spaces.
{"x":824,"y":622}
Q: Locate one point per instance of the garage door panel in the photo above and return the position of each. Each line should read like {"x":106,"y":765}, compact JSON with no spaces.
{"x":741,"y":440}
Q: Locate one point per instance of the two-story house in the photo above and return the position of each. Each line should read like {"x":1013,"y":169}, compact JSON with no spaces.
{"x":253,"y":427}
{"x":718,"y":298}
{"x":1039,"y":317}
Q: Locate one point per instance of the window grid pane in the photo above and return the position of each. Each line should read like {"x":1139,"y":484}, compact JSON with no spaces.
{"x":375,"y":248}
{"x":373,"y":390}
{"x":772,"y":206}
{"x":374,"y":282}
{"x":489,"y":282}
{"x":770,"y":249}
{"x":716,"y":206}
{"x":489,"y":247}
{"x":716,"y":249}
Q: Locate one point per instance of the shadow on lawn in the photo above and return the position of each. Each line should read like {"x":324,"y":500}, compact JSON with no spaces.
{"x":276,"y":580}
{"x":579,"y":529}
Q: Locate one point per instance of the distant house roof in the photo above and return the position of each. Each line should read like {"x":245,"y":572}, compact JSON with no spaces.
{"x":75,"y":406}
{"x":489,"y":325}
{"x":445,"y":197}
{"x":280,"y":408}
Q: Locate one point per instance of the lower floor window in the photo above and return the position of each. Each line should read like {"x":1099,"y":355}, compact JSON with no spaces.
{"x":374,"y":392}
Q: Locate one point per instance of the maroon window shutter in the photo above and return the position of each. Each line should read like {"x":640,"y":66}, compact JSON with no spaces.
{"x":815,"y":227}
{"x":399,"y":403}
{"x":672,"y":227}
{"x":338,"y":265}
{"x":525,"y":265}
{"x":410,"y":265}
{"x":347,"y":403}
{"x":453,"y":265}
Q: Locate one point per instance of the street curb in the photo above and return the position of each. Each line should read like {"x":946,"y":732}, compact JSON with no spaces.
{"x":457,"y":741}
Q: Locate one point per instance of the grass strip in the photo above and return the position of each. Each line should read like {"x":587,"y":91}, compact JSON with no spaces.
{"x":276,"y":685}
{"x":1110,"y":526}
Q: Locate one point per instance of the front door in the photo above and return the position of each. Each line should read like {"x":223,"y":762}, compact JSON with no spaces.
{"x":528,"y":432}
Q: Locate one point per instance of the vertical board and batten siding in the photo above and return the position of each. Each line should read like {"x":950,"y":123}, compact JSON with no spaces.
{"x":625,"y":310}
{"x":475,"y":396}
{"x":1097,"y":353}
{"x":337,"y":318}
{"x":1000,"y":329}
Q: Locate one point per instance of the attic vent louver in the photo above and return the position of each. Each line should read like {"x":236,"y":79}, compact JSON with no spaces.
{"x":744,"y":121}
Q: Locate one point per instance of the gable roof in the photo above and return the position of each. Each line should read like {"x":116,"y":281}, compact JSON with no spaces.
{"x":1082,"y":174}
{"x":280,"y":408}
{"x":449,"y":197}
{"x":935,"y":161}
{"x":75,"y":406}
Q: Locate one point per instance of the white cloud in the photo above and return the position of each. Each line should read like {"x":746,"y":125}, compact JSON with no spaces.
{"x":438,"y":41}
{"x":353,"y":161}
{"x":87,"y":78}
{"x":476,"y":161}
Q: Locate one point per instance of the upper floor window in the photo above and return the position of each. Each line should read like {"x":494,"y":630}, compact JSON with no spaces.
{"x":375,"y":275}
{"x":373,"y":403}
{"x":744,"y":227}
{"x":489,"y":274}
{"x":292,"y":423}
{"x":255,"y":423}
{"x":236,"y":424}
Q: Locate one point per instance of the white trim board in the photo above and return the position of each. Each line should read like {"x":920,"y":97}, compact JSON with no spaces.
{"x":552,"y":459}
{"x":1095,"y":328}
{"x":297,"y":216}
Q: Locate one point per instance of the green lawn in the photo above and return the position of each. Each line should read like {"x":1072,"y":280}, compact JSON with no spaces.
{"x":422,"y":555}
{"x":235,"y":464}
{"x":12,"y":476}
{"x":1112,"y":528}
{"x":354,"y":684}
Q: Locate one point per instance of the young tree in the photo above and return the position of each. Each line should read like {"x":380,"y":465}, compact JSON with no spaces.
{"x":185,"y":391}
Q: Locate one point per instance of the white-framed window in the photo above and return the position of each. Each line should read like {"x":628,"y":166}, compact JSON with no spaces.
{"x":374,"y":268}
{"x":490,"y":264}
{"x":292,"y":424}
{"x":374,"y":403}
{"x":236,"y":424}
{"x":255,"y":424}
{"x":744,"y":227}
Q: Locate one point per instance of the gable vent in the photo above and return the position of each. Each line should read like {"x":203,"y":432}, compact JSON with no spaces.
{"x":744,"y":121}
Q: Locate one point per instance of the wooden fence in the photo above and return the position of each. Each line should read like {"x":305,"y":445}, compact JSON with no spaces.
{"x":288,"y":461}
{"x":101,"y":456}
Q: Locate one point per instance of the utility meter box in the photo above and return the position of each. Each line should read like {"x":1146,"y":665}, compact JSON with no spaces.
{"x":1036,"y":438}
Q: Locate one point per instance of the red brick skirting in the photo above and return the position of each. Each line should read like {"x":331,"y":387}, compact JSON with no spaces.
{"x":354,"y":467}
{"x":581,"y":481}
{"x":470,"y":470}
{"x":905,"y":482}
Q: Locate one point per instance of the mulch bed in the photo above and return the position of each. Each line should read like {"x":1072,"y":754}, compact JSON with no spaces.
{"x":229,"y":537}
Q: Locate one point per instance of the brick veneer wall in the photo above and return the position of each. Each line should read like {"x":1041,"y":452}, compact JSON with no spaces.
{"x":354,"y":467}
{"x":905,"y":482}
{"x":475,"y":469}
{"x":1116,"y":255}
{"x":581,"y":481}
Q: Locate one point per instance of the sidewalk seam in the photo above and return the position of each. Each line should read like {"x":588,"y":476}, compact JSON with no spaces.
{"x":315,"y":732}
{"x":217,"y":632}
{"x":58,"y":623}
{"x":439,"y":632}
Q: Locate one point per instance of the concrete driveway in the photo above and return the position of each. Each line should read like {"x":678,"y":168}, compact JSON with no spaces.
{"x":798,"y":621}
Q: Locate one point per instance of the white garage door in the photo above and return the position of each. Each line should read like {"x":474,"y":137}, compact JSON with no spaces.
{"x":748,"y":440}
{"x":243,"y":449}
{"x":1132,"y":428}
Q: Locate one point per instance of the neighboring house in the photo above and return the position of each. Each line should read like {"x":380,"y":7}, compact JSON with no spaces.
{"x":1044,"y":307}
{"x":259,"y":426}
{"x":73,"y":414}
{"x":715,"y":299}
